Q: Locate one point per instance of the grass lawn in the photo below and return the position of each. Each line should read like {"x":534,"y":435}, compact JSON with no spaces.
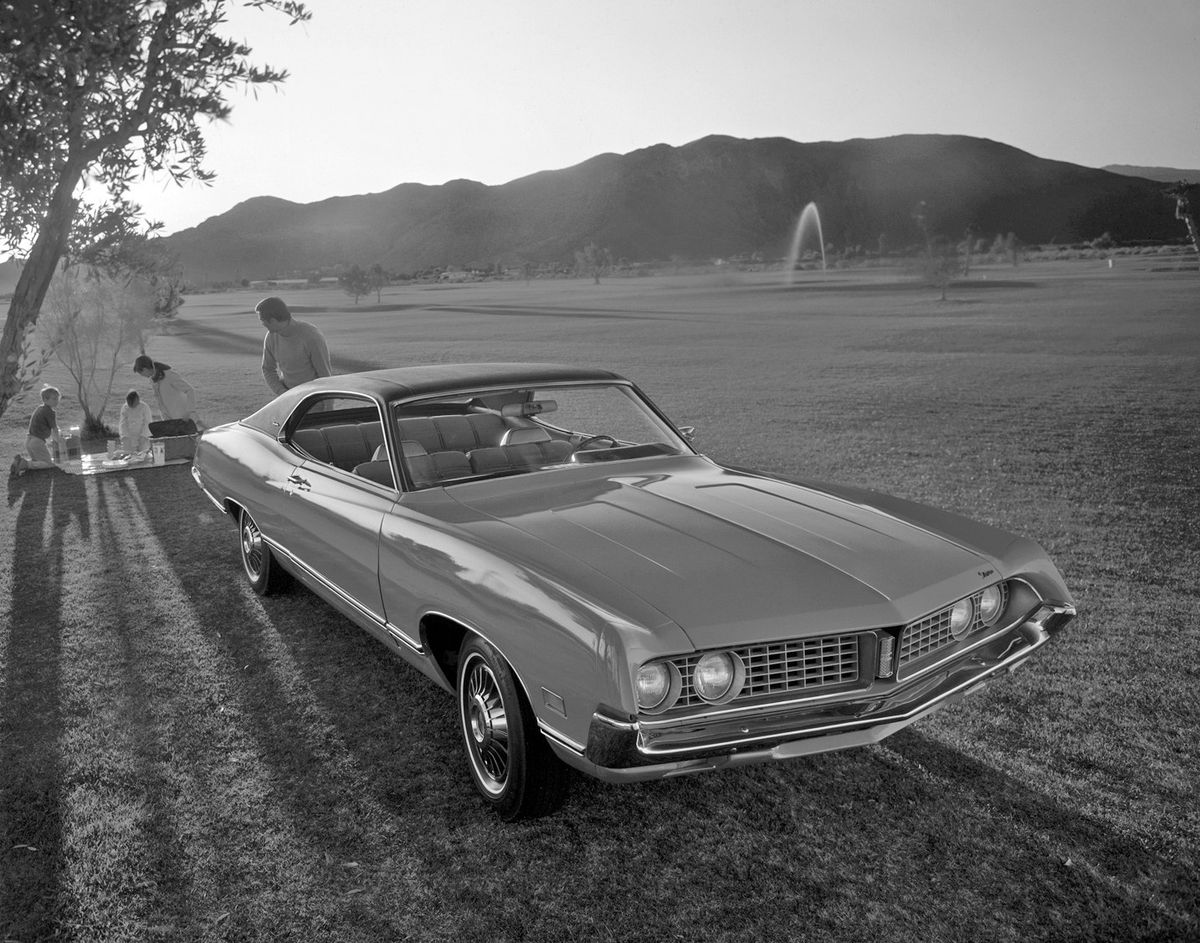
{"x":181,"y":760}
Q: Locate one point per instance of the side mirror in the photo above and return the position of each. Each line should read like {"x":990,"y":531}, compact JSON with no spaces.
{"x":688,"y":432}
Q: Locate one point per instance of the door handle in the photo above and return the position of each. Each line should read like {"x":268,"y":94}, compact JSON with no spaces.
{"x":300,"y":483}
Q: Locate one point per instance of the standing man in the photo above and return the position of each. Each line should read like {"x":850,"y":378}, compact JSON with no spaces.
{"x":294,"y":351}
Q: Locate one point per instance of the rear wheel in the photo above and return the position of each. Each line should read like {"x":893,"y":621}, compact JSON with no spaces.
{"x":262,"y":569}
{"x":511,"y":764}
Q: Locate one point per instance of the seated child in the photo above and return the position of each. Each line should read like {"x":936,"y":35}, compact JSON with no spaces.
{"x":43,"y":426}
{"x":135,"y":424}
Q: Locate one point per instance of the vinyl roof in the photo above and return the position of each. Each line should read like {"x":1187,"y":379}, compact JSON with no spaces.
{"x":451,"y":377}
{"x":429,"y":379}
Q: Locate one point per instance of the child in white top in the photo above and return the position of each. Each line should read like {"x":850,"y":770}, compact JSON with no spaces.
{"x":135,"y":424}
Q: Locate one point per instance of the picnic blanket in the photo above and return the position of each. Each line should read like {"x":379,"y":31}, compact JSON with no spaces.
{"x":100,"y":463}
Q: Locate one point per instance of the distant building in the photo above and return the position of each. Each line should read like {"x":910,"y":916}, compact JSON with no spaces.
{"x":292,"y":283}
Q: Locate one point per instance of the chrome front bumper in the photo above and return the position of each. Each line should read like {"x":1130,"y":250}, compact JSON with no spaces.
{"x":629,"y":750}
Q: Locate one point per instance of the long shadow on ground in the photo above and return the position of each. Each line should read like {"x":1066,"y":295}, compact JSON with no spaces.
{"x":217,"y":340}
{"x":911,"y":286}
{"x":31,"y":710}
{"x":313,"y":779}
{"x":354,"y":309}
{"x":552,"y":312}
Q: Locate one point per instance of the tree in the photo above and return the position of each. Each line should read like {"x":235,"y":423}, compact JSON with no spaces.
{"x":1181,"y":193}
{"x":920,"y":216}
{"x":1012,"y":248}
{"x":593,"y":260}
{"x":91,"y":93}
{"x":96,"y":323}
{"x":941,"y":264}
{"x":356,"y":282}
{"x":968,"y":248}
{"x":378,"y":279}
{"x":139,"y":258}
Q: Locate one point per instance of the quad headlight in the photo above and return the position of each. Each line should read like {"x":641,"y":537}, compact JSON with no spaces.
{"x":991,"y":604}
{"x":714,"y":678}
{"x":718,"y":676}
{"x":962,"y":614}
{"x":653,"y":685}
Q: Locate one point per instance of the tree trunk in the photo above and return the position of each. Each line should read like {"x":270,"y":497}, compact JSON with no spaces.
{"x":1183,"y":212}
{"x":34,"y":281}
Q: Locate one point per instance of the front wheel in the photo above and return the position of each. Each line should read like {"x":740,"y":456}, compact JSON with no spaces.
{"x":511,"y":764}
{"x":262,"y":569}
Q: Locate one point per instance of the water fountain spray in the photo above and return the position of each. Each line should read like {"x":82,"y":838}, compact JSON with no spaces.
{"x":808,"y":218}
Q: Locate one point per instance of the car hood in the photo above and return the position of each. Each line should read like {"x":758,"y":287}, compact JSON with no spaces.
{"x":732,"y":556}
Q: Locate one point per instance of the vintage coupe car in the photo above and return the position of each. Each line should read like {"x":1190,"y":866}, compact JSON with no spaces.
{"x":542,"y":542}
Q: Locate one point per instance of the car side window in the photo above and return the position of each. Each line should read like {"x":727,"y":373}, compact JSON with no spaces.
{"x":345,"y":432}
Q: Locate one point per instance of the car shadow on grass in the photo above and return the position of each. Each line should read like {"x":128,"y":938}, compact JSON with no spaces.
{"x":31,"y":704}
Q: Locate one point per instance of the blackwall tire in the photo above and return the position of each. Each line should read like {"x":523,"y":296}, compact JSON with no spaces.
{"x":263,"y":571}
{"x":511,"y":764}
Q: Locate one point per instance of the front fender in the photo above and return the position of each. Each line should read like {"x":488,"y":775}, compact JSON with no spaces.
{"x":571,"y":636}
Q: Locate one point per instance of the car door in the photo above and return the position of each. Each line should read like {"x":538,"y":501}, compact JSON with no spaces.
{"x":264,"y":481}
{"x":334,"y":516}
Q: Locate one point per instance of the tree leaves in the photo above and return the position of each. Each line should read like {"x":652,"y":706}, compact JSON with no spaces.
{"x":107,"y":87}
{"x":91,"y":92}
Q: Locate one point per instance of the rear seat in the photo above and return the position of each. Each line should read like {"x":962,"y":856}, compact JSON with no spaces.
{"x":345,"y":445}
{"x":424,"y":469}
{"x":351,"y":446}
{"x":438,"y":467}
{"x":453,"y":433}
{"x":516,"y":457}
{"x":379,"y":472}
{"x":313,"y":442}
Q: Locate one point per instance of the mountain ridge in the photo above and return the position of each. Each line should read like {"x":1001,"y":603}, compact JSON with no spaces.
{"x":1162,"y":174}
{"x":718,"y":196}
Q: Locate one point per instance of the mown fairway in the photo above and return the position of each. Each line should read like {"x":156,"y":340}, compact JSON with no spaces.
{"x":180,"y":760}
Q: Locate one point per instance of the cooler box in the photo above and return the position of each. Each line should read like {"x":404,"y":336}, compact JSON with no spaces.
{"x":176,"y":446}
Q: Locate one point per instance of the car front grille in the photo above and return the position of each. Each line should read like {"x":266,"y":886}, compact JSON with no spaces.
{"x":932,"y":633}
{"x":778,"y":668}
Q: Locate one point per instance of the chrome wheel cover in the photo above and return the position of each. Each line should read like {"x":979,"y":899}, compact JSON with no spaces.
{"x":485,"y":725}
{"x":252,"y":548}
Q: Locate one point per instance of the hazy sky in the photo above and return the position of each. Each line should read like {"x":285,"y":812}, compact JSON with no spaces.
{"x":384,"y":92}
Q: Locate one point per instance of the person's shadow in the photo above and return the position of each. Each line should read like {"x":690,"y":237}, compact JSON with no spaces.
{"x":31,"y":851}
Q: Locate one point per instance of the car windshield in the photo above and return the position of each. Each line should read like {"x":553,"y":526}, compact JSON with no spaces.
{"x":490,"y":433}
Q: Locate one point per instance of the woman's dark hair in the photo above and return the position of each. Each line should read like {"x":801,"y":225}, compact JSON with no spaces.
{"x":145,"y":363}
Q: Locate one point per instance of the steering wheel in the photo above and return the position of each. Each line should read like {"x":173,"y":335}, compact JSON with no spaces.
{"x":593,"y":439}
